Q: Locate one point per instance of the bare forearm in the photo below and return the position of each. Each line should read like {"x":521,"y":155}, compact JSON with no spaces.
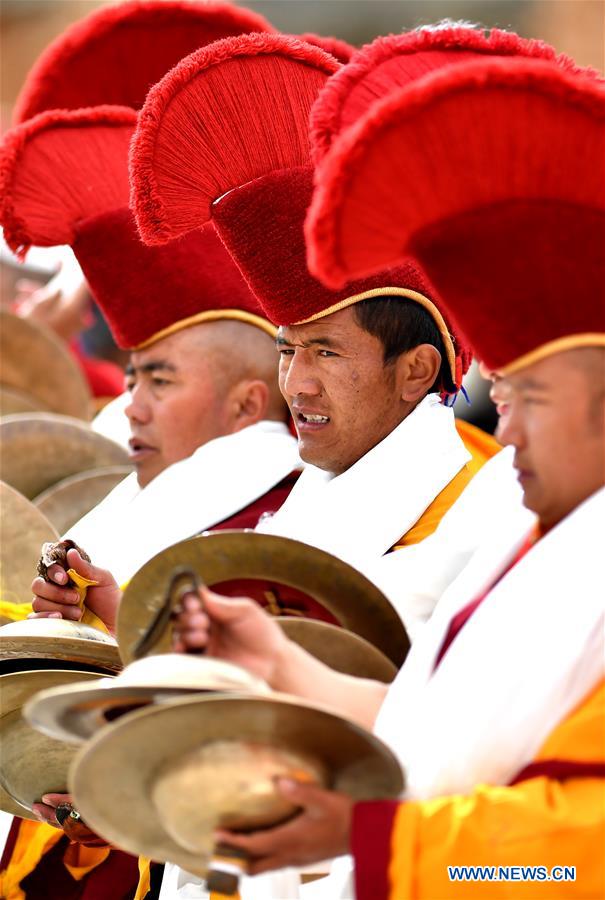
{"x":299,"y":673}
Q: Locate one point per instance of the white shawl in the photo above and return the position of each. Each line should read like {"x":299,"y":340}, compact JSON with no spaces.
{"x":416,"y":577}
{"x":360,"y":514}
{"x":526,"y":657}
{"x":222,"y":477}
{"x":529,"y":654}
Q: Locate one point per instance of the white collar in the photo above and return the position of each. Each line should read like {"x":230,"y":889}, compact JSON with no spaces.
{"x":490,"y":702}
{"x":222,"y":477}
{"x":360,"y":514}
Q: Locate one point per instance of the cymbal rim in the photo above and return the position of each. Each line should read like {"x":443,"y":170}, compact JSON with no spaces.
{"x":226,"y":555}
{"x":111,"y":776}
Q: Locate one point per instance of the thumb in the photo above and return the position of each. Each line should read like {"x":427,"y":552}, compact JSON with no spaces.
{"x":223,"y":609}
{"x":82,"y":567}
{"x":302,"y":793}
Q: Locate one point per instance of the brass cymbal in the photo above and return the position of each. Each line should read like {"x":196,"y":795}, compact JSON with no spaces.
{"x":15,"y":401}
{"x":35,"y":361}
{"x":339,"y":648}
{"x":65,"y":502}
{"x":40,"y":449}
{"x":58,"y":639}
{"x":221,"y":556}
{"x":10,"y":806}
{"x":23,"y":529}
{"x":75,"y":712}
{"x":31,"y":764}
{"x":131,"y":782}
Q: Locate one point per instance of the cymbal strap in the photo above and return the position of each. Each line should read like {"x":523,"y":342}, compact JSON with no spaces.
{"x":227,"y":865}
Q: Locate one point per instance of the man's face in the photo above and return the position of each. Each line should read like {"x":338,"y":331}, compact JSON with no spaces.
{"x":342,"y":397}
{"x":177,"y":400}
{"x":555,"y":419}
{"x":498,"y":392}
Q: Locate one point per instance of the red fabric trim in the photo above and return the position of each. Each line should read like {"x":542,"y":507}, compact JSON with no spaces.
{"x":268,"y":503}
{"x":560,"y":770}
{"x":371,"y":830}
{"x":288,"y":599}
{"x":11,"y":840}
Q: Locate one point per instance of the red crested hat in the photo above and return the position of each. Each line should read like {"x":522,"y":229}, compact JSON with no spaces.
{"x":64,"y":180}
{"x":114,"y":55}
{"x":394,"y":61}
{"x":490,"y":173}
{"x":336,"y":47}
{"x":225,"y":136}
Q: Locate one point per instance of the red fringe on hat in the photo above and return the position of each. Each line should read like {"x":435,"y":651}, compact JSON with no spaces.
{"x":64,"y":179}
{"x":490,"y":174}
{"x":196,"y":138}
{"x":117,"y":53}
{"x":339,"y":49}
{"x":396,"y":60}
{"x":54,"y":173}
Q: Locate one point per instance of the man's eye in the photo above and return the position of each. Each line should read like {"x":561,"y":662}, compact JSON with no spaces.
{"x":327,"y":353}
{"x":130,"y":385}
{"x":160,"y":382}
{"x":285,"y":351}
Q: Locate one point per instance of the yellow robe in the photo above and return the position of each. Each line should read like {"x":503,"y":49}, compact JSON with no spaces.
{"x":482,"y":447}
{"x":557,"y":818}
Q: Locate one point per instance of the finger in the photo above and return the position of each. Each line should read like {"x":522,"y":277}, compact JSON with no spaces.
{"x":226,"y":609}
{"x":45,"y":615}
{"x":313,"y":799}
{"x":27,"y":285}
{"x":93,"y":573}
{"x":45,"y":814}
{"x":55,"y":799}
{"x":57,"y":574}
{"x":192,"y":622}
{"x":194,"y":640}
{"x":66,"y":611}
{"x":191,"y":603}
{"x":48,"y":591}
{"x":263,"y":843}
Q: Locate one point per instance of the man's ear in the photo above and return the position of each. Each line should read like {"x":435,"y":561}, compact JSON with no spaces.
{"x":417,"y":371}
{"x":249,"y":402}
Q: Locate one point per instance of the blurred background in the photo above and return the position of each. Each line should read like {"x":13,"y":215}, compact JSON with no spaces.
{"x":575,"y":27}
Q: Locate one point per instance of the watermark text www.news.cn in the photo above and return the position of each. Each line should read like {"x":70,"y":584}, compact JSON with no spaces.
{"x":511,"y":873}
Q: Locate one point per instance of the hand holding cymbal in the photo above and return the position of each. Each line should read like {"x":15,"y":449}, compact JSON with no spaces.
{"x":233,"y":629}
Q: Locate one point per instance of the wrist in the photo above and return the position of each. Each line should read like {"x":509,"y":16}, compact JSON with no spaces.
{"x":284,"y":664}
{"x":290,"y":669}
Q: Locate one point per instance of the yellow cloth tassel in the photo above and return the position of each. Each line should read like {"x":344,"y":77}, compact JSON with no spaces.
{"x":16,"y":612}
{"x":144,"y":878}
{"x":82,"y":584}
{"x":33,"y":841}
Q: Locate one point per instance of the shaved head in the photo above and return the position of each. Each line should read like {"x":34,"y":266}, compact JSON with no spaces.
{"x":240,"y":352}
{"x":203,"y":382}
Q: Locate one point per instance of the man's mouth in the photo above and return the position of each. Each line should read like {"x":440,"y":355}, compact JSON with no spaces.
{"x":523,"y":474}
{"x":310,"y":421}
{"x":138,"y":450}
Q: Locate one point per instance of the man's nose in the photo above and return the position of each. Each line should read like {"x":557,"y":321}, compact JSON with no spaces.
{"x":509,"y":430}
{"x":300,"y":378}
{"x":137,"y":409}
